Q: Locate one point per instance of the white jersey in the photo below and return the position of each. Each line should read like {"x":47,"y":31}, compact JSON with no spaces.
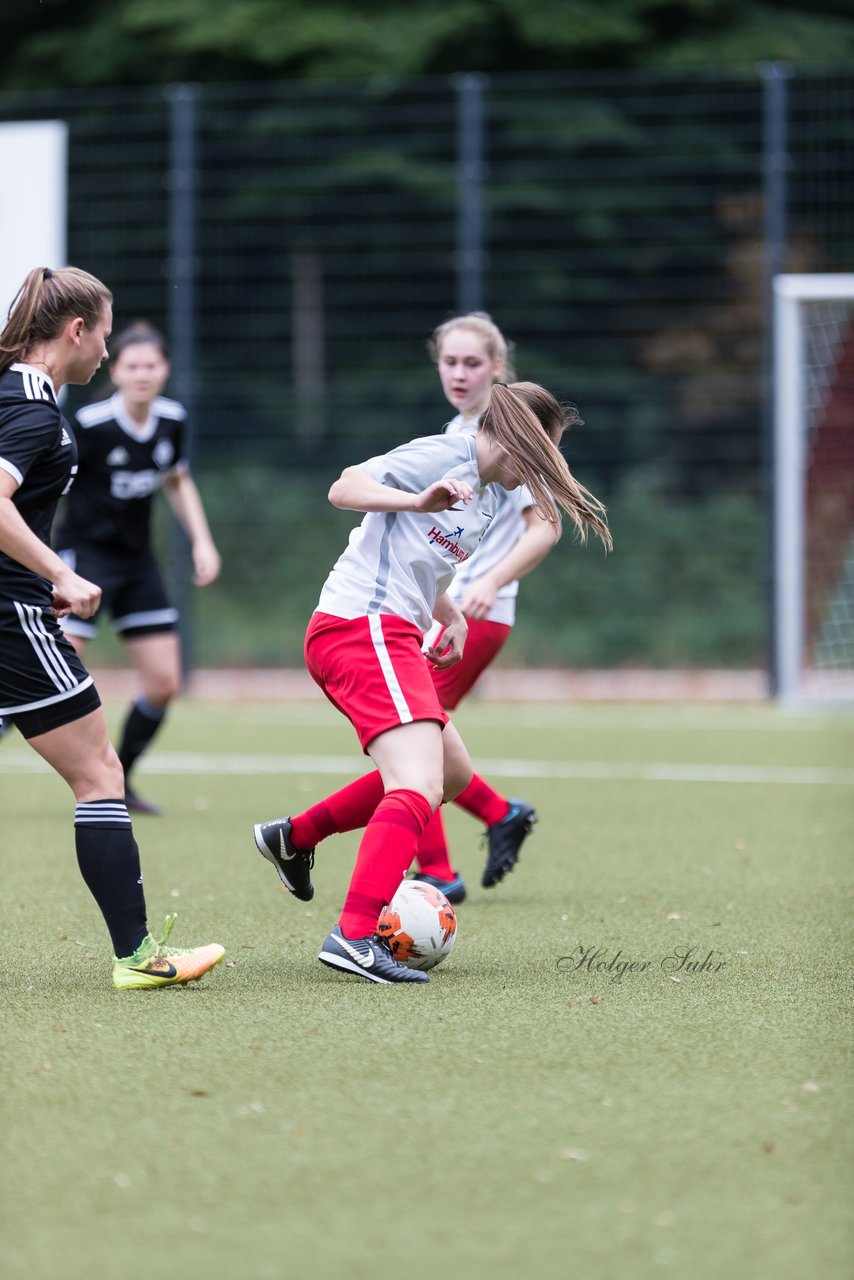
{"x":400,"y":561}
{"x":498,"y":541}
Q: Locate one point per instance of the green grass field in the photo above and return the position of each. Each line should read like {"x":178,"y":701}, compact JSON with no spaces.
{"x":520,"y":1115}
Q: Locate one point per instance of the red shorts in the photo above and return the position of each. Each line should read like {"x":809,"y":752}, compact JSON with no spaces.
{"x":483,"y":642}
{"x":373,"y":670}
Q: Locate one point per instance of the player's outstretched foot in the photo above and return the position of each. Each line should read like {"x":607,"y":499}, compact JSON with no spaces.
{"x":505,"y":840}
{"x":454,"y":890}
{"x":366,"y":957}
{"x":136,"y":804}
{"x":153,"y":964}
{"x":293,"y":865}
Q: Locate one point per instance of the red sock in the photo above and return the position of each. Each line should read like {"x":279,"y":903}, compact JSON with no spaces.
{"x":480,"y":800}
{"x":346,"y":810}
{"x":384,"y":857}
{"x":432,"y":853}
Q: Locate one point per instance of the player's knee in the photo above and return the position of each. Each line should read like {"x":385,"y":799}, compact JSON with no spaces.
{"x":99,"y":778}
{"x":160,"y":690}
{"x":457,"y":777}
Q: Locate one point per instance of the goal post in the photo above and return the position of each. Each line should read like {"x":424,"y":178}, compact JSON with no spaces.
{"x":813,"y":487}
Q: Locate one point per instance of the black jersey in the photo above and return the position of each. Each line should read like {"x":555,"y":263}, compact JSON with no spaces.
{"x":122,"y":465}
{"x":38,"y":448}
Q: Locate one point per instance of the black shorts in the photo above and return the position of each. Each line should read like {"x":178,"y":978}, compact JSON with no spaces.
{"x":43,"y":683}
{"x":132,"y":591}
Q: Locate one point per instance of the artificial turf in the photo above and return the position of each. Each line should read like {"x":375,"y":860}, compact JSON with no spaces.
{"x":530,"y":1110}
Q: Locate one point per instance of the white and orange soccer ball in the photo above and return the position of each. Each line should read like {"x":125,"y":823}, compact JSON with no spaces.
{"x":419,"y":925}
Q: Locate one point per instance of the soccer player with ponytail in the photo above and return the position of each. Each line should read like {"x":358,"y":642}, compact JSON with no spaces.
{"x":56,"y":333}
{"x":427,"y":503}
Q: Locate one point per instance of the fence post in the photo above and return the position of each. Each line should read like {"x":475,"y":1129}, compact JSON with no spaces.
{"x":775,"y":165}
{"x":470,"y":174}
{"x":182,"y":100}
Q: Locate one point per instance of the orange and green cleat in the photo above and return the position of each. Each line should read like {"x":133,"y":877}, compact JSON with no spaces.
{"x":153,"y":964}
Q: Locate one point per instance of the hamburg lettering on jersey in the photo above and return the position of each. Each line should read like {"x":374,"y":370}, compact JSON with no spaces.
{"x":399,"y":562}
{"x":448,"y":541}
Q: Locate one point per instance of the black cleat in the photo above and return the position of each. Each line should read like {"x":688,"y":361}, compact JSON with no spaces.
{"x":454,"y":890}
{"x":136,"y":804}
{"x":366,"y":957}
{"x":505,"y":840}
{"x":293,"y":865}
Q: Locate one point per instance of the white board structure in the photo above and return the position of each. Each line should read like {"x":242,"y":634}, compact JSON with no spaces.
{"x":33,"y":201}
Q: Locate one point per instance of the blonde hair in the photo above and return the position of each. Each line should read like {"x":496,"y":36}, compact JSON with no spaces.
{"x":481,"y":323}
{"x":527,"y":422}
{"x":44,"y":303}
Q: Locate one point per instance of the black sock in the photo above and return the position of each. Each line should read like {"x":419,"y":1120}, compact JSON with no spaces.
{"x":142,"y":723}
{"x":108,"y":858}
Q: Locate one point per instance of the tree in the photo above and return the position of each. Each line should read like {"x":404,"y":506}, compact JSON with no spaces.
{"x":68,"y":43}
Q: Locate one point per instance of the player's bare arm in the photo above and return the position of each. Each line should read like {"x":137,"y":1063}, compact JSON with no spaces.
{"x":355,"y":490}
{"x":185,"y":500}
{"x":71,"y":593}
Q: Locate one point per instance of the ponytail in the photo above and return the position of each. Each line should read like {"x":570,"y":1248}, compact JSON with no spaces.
{"x":44,"y":303}
{"x":528,"y":422}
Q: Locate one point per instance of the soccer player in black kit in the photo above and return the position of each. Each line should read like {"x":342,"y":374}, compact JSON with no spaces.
{"x":56,"y":333}
{"x":130,"y":446}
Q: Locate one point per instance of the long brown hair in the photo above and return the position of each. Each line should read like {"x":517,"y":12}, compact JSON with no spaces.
{"x":44,"y":303}
{"x":527,"y":422}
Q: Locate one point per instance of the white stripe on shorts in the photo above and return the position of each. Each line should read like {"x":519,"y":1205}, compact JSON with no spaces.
{"x":389,"y":675}
{"x":74,"y":627}
{"x":150,"y":618}
{"x":47,"y":702}
{"x":45,"y":646}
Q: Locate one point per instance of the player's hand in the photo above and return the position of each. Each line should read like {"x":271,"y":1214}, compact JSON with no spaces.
{"x":206,"y":563}
{"x":73,"y":594}
{"x":443,"y":494}
{"x":448,"y":645}
{"x":478,"y":599}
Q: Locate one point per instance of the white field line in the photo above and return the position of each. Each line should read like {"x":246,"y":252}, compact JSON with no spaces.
{"x":21,"y":761}
{"x":604,"y":719}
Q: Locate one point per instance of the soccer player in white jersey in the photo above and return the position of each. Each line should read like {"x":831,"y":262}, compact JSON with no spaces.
{"x":56,"y":334}
{"x":472,"y":354}
{"x":131,"y":445}
{"x":428,"y":504}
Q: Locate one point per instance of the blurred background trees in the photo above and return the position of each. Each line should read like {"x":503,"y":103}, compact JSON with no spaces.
{"x":112,"y":42}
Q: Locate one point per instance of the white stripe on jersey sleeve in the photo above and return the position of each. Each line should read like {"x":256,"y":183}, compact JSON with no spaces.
{"x":11,"y":469}
{"x":34,"y":388}
{"x":101,"y":411}
{"x":163,"y":407}
{"x":35,"y":383}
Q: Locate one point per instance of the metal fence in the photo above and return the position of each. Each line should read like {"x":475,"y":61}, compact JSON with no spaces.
{"x":298,"y":243}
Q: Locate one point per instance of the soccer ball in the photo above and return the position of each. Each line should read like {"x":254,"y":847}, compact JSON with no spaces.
{"x":419,"y":925}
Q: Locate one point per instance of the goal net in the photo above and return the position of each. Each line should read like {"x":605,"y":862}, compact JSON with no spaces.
{"x":814,"y":488}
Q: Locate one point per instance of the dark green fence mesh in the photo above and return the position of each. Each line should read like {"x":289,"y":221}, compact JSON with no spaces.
{"x":616,"y":227}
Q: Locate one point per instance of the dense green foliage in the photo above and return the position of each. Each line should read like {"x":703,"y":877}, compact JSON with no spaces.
{"x":99,"y":42}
